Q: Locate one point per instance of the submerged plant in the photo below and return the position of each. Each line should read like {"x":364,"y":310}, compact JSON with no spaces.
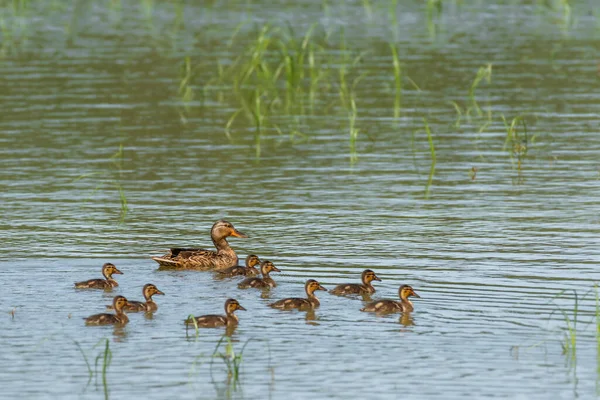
{"x":186,"y":92}
{"x":397,"y":80}
{"x":433,"y":159}
{"x":352,"y":114}
{"x":433,"y":10}
{"x":516,"y":141}
{"x":483,"y":73}
{"x":115,"y":174}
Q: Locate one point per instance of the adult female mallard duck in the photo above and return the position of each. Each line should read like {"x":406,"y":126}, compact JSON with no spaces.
{"x":149,"y":305}
{"x":392,"y":306}
{"x":199,"y":259}
{"x":217,"y":321}
{"x":119,"y":318}
{"x":248,"y":270}
{"x":266,"y":267}
{"x":365,"y":288}
{"x":310,"y":303}
{"x":108,"y":270}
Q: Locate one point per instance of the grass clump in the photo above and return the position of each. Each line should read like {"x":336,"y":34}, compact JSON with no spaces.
{"x":231,"y":358}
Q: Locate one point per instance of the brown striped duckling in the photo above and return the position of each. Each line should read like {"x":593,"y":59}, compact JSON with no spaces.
{"x":266,"y":267}
{"x":310,"y":303}
{"x":217,"y":321}
{"x":365,"y":288}
{"x":203,"y":260}
{"x":392,"y":306}
{"x":149,"y":305}
{"x":119,"y":318}
{"x":108,"y":270}
{"x":249,"y":270}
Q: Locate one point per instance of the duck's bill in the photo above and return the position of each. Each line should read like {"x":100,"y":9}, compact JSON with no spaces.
{"x":159,"y":292}
{"x":376,"y":278}
{"x":275,"y":269}
{"x":415,"y":294}
{"x":241,"y":308}
{"x":116,"y":271}
{"x":239,"y":234}
{"x":322,"y":288}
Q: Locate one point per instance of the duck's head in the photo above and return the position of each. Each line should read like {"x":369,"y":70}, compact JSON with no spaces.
{"x":150,"y":290}
{"x":406,"y":291}
{"x":222,"y":229}
{"x":119,"y":302}
{"x":232,"y":305}
{"x":109,"y":269}
{"x":369,"y":276}
{"x":252,"y":261}
{"x":267,"y":267}
{"x":311,"y":286}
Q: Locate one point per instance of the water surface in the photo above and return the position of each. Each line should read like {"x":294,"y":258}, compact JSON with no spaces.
{"x":488,"y":255}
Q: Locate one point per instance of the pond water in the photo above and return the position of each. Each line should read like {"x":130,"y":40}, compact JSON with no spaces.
{"x":497,"y":242}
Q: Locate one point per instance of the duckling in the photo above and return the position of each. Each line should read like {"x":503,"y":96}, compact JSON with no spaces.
{"x":216,"y":321}
{"x":149,"y":305}
{"x":309,"y":303}
{"x":266,"y":281}
{"x":119,"y":318}
{"x":108,"y":270}
{"x":248,"y":270}
{"x":354,"y":288}
{"x":391,"y":306}
{"x":199,"y":259}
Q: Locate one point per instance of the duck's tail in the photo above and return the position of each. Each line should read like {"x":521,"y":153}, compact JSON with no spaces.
{"x":166,"y":262}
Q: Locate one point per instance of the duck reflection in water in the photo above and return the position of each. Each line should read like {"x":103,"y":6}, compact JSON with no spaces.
{"x":406,"y":319}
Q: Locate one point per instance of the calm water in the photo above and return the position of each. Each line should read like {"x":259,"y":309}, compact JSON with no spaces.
{"x":487,"y":255}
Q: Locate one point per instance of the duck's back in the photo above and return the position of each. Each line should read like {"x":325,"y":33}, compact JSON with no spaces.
{"x":383,"y":306}
{"x":350,"y":288}
{"x":293,"y":303}
{"x":106,"y":319}
{"x":197,"y":259}
{"x":237,"y":270}
{"x":254,"y":283}
{"x":209,"y":321}
{"x":95,"y":284}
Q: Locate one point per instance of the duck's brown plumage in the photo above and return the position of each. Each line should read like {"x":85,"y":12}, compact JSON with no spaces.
{"x":217,"y":321}
{"x":392,"y":306}
{"x":239,"y":270}
{"x":310,"y":303}
{"x":149,"y":305}
{"x":199,"y":259}
{"x":118,"y":318}
{"x":108,"y":282}
{"x":365,"y":288}
{"x":266,"y":267}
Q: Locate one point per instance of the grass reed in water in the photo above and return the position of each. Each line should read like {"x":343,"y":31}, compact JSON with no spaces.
{"x":103,"y":359}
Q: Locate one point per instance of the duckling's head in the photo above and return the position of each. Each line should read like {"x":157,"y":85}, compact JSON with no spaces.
{"x":119,"y":302}
{"x":252,"y":260}
{"x":150,"y":290}
{"x":369,"y":276}
{"x":109,"y":269}
{"x":311,"y":286}
{"x":267,"y":266}
{"x":406,"y":291}
{"x":232,"y":305}
{"x":222,"y":229}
